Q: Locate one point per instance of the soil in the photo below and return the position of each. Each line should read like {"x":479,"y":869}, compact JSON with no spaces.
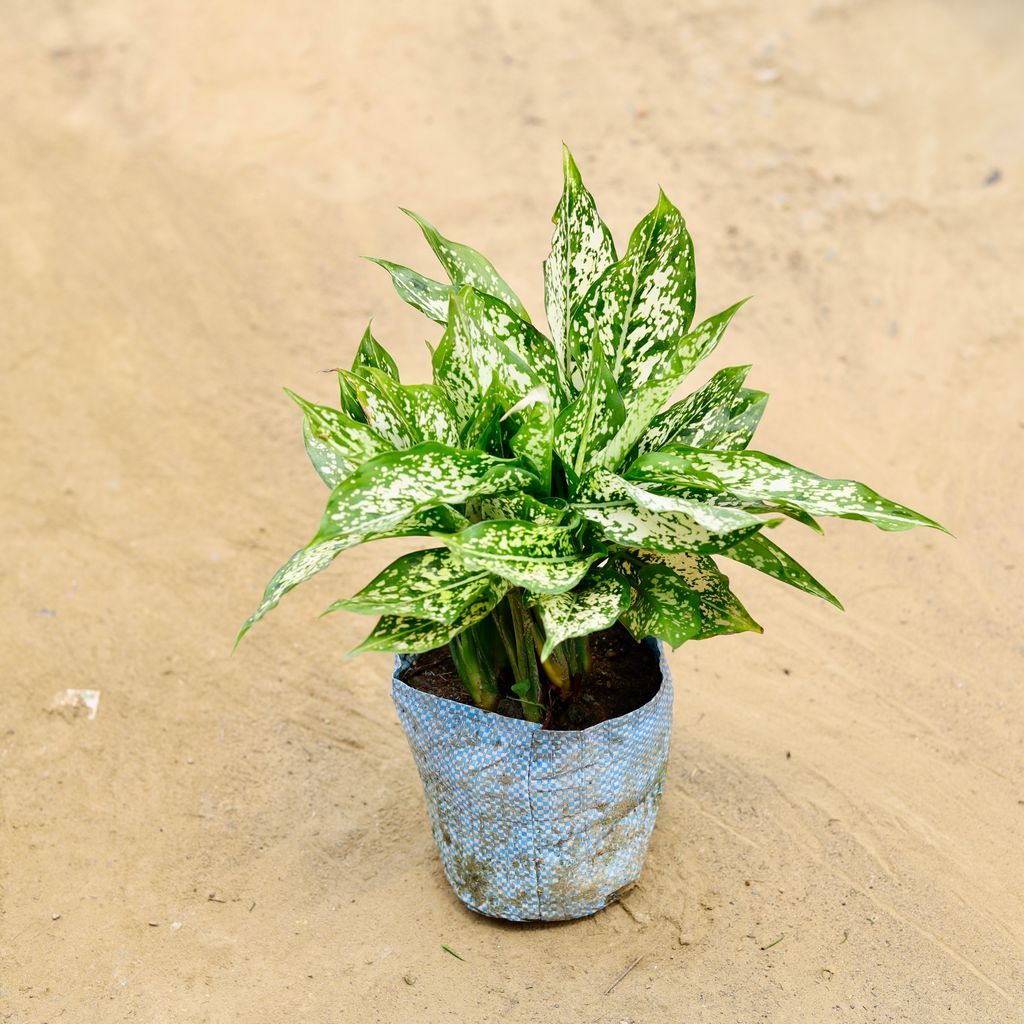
{"x":623,"y":676}
{"x":184,"y":190}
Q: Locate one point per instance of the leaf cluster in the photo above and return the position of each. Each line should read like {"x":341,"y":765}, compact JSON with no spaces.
{"x":559,"y":489}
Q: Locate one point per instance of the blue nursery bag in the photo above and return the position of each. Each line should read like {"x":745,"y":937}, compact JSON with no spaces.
{"x":536,"y":824}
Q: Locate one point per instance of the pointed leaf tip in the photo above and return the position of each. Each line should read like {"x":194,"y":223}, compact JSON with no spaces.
{"x":238,"y":637}
{"x":570,"y":171}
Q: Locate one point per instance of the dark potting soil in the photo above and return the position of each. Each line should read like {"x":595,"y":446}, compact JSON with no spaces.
{"x":623,"y":676}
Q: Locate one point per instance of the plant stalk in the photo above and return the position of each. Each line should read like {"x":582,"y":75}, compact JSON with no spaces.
{"x":477,"y":671}
{"x":527,"y":684}
{"x":556,"y":666}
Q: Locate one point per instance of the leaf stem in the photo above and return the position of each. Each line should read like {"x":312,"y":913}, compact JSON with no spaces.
{"x":527,"y":684}
{"x":478,"y":674}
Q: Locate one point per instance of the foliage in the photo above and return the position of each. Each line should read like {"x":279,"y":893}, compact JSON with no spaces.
{"x":560,"y":495}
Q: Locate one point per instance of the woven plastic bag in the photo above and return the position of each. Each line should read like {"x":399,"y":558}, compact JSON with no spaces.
{"x":535,"y":824}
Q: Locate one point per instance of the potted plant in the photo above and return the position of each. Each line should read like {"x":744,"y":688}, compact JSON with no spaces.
{"x":573,"y":526}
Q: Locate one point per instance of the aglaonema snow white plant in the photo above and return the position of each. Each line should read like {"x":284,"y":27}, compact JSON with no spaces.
{"x":558,"y":494}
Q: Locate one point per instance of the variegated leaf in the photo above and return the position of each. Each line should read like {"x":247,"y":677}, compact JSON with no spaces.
{"x":798,"y":515}
{"x":423,"y":293}
{"x":744,"y":416}
{"x":491,"y":331}
{"x":534,"y":441}
{"x":472,"y":365}
{"x":403,"y":634}
{"x":455,"y":373}
{"x":428,"y":410}
{"x":328,"y":459}
{"x":406,"y":414}
{"x":428,"y":584}
{"x":766,"y":556}
{"x":581,"y":250}
{"x":483,"y":428}
{"x":644,"y":403}
{"x":594,"y":605}
{"x":629,"y":515}
{"x":383,"y":491}
{"x":304,"y":564}
{"x":426,"y":523}
{"x":682,"y":597}
{"x":318,"y":554}
{"x":380,"y":412}
{"x":542,"y":559}
{"x":349,"y":400}
{"x":700,"y":418}
{"x":642,"y":305}
{"x":465,"y":266}
{"x":335,"y":442}
{"x":372,"y":354}
{"x":756,"y":476}
{"x":549,"y":512}
{"x":587,"y":425}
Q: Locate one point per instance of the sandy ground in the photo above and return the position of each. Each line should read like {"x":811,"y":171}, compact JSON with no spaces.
{"x":184,"y":190}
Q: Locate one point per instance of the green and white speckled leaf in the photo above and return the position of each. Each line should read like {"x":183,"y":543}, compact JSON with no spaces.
{"x":701,"y":418}
{"x":428,"y":584}
{"x":534,"y":441}
{"x":426,"y":523}
{"x":455,"y":372}
{"x":518,"y":506}
{"x":372,"y":354}
{"x":756,"y":476}
{"x":348,"y":399}
{"x":581,"y":250}
{"x":491,"y":332}
{"x":388,"y":488}
{"x":304,"y":564}
{"x":465,"y":266}
{"x":380,"y":412}
{"x":766,"y":556}
{"x":744,"y":416}
{"x":586,"y":426}
{"x":328,"y":459}
{"x":643,"y":404}
{"x":423,"y":293}
{"x":335,"y":442}
{"x":629,"y":515}
{"x":429,"y":412}
{"x":406,"y":414}
{"x":542,"y":559}
{"x":404,"y":634}
{"x":318,"y":554}
{"x":682,"y":597}
{"x":796,"y":514}
{"x":594,"y":605}
{"x":487,"y":350}
{"x":642,"y":305}
{"x":483,"y":427}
